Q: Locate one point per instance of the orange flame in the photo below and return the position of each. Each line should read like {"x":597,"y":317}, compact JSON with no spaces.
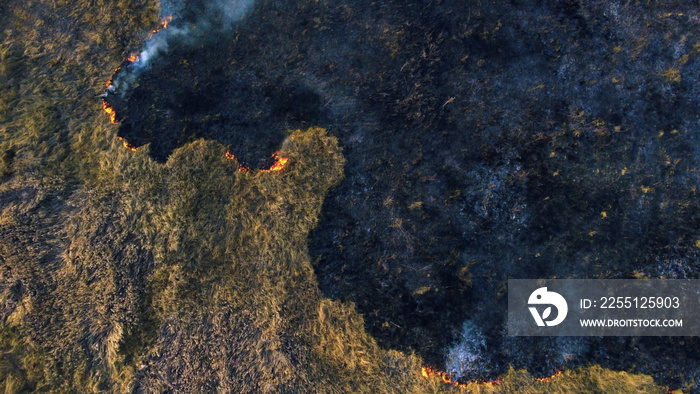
{"x":429,"y":372}
{"x":127,"y":145}
{"x":166,"y":21}
{"x":231,"y":156}
{"x":111,"y":80}
{"x":549,"y":378}
{"x":110,"y":111}
{"x":163,"y":25}
{"x":279,"y":164}
{"x":133,"y":58}
{"x":130,"y":147}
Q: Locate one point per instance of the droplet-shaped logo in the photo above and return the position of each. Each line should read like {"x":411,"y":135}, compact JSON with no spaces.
{"x":543,"y":297}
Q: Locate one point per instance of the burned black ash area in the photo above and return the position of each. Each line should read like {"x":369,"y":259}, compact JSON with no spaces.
{"x":484,"y":141}
{"x":199,"y":91}
{"x":492,"y":141}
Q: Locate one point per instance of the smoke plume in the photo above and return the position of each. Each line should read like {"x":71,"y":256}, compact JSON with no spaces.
{"x":185,"y":24}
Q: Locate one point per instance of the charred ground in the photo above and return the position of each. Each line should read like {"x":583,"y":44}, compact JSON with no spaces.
{"x":197,"y":90}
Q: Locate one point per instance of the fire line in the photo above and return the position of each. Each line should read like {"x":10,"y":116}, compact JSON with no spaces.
{"x":133,"y":58}
{"x":110,"y":111}
{"x":280,"y":162}
{"x":278,"y":165}
{"x":127,"y":145}
{"x":430,"y":372}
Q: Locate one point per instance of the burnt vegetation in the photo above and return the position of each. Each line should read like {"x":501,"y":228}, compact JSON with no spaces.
{"x":435,"y":150}
{"x":199,"y":91}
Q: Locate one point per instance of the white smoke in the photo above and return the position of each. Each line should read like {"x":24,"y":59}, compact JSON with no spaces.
{"x":170,"y":8}
{"x":225,"y":12}
{"x":157,"y":45}
{"x":464,"y":359}
{"x":234,"y":10}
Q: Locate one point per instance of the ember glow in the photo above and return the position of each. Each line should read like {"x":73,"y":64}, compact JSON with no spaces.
{"x":132,"y":60}
{"x":127,"y":145}
{"x":430,"y":372}
{"x":231,"y":156}
{"x":163,"y":25}
{"x":549,"y":378}
{"x":279,"y":164}
{"x":137,"y":61}
{"x":110,"y":82}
